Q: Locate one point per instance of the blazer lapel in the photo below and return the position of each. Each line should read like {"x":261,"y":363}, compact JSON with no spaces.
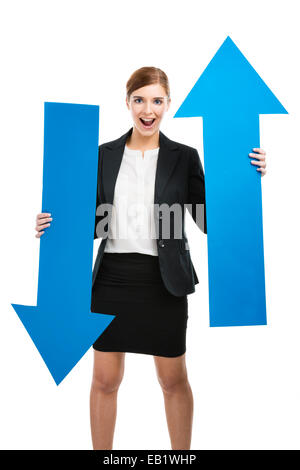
{"x":166,"y":161}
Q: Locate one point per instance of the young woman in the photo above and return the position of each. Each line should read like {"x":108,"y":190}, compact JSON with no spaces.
{"x":140,"y":276}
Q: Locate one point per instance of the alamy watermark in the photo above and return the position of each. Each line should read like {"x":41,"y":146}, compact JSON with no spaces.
{"x":139,"y":220}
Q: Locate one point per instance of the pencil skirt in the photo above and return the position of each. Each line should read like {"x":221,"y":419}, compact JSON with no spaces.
{"x":148,"y":318}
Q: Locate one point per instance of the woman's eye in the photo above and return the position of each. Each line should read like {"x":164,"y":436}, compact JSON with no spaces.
{"x":137,"y":100}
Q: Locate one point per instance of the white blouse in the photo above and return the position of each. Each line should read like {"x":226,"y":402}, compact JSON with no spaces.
{"x":132,"y":226}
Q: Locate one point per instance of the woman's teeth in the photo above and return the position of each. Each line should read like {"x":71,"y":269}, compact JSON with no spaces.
{"x":147,"y":122}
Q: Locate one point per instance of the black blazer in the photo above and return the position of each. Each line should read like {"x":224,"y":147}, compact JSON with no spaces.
{"x":179,"y":179}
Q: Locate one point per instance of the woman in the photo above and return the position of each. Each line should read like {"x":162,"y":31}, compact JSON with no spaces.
{"x":142,"y":280}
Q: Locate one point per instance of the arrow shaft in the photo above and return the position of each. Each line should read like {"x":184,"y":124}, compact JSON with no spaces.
{"x":69,"y":189}
{"x":234,"y":221}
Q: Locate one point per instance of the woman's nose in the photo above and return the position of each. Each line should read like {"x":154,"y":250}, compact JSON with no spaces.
{"x":148,"y":108}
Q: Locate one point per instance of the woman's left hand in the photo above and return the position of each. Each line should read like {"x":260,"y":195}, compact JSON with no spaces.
{"x":261,"y":163}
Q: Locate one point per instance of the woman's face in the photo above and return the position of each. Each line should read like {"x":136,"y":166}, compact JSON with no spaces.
{"x":148,"y":103}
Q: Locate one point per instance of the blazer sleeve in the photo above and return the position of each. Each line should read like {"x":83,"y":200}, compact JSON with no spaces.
{"x":99,"y":195}
{"x":196,"y":191}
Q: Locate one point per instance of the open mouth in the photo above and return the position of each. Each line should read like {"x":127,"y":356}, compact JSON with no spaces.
{"x":147,"y":123}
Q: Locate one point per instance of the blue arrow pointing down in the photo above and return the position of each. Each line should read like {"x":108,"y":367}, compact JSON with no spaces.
{"x":62,"y":326}
{"x":230,"y":95}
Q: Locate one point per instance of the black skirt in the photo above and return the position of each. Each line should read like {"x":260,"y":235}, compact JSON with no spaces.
{"x":148,"y":318}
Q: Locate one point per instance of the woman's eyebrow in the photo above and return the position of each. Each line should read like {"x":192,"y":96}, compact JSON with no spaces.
{"x":155,"y":98}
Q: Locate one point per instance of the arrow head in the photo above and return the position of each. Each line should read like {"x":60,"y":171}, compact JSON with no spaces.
{"x":229,"y":83}
{"x":62,"y":337}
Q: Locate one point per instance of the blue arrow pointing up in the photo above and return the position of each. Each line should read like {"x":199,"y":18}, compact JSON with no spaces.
{"x":230,"y":95}
{"x":62,"y":326}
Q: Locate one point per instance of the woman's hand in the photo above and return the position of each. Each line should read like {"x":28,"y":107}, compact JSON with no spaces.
{"x":261,"y":155}
{"x":42,"y":222}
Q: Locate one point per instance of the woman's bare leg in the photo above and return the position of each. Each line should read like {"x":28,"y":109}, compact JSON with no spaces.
{"x":107,"y":377}
{"x":178,"y":399}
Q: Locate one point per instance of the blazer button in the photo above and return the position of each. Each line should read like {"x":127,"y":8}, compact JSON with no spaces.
{"x":161,"y":243}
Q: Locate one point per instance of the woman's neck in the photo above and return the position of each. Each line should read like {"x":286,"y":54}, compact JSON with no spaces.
{"x":137,"y":141}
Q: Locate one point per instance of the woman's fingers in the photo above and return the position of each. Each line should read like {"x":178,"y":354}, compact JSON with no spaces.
{"x":41,"y":226}
{"x":260,"y":163}
{"x":42,"y":221}
{"x":260,"y":151}
{"x":262,"y":170}
{"x":39,"y":234}
{"x":260,"y":160}
{"x":43,"y":215}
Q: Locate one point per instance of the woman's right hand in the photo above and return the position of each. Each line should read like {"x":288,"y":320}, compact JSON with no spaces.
{"x":42,"y":222}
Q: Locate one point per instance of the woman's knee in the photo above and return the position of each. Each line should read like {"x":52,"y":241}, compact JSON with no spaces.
{"x":106,"y":381}
{"x":107,"y":375}
{"x":171,"y":373}
{"x":171,"y":383}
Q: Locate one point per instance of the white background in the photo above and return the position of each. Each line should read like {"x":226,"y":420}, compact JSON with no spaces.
{"x":246,"y":380}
